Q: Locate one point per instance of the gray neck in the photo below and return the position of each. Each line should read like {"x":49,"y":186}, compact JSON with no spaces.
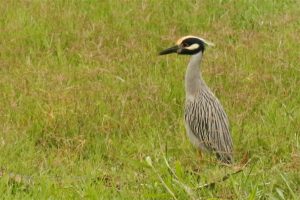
{"x":193,"y":78}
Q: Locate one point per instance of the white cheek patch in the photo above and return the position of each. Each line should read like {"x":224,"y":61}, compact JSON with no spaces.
{"x":192,"y":47}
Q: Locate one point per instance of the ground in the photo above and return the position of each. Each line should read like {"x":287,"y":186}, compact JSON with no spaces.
{"x":85,"y":99}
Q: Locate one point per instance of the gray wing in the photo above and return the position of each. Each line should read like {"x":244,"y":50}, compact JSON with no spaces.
{"x":207,"y":120}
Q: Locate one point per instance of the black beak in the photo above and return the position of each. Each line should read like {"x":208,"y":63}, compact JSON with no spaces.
{"x":169,"y":50}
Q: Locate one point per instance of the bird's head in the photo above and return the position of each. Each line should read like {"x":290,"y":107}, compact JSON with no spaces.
{"x":188,"y":45}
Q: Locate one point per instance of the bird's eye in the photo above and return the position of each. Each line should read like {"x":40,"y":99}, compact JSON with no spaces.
{"x":185,"y":45}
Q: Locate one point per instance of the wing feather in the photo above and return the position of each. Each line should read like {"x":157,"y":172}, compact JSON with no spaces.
{"x":205,"y":117}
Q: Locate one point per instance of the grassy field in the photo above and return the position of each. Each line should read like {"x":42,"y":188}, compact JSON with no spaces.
{"x":84,"y":98}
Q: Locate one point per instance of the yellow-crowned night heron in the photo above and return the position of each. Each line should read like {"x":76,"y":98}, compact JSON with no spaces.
{"x":205,"y":119}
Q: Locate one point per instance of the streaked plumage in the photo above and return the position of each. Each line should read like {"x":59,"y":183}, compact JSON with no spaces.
{"x":205,"y":119}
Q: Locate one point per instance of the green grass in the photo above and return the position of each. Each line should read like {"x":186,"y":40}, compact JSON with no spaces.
{"x":84,"y":98}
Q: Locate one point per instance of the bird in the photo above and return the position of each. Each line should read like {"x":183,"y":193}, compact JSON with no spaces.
{"x":206,"y":122}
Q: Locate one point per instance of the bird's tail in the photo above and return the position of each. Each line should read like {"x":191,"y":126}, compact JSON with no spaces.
{"x":225,"y":158}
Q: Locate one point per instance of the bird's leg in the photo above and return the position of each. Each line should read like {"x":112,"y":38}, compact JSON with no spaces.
{"x":200,"y":156}
{"x":197,"y":168}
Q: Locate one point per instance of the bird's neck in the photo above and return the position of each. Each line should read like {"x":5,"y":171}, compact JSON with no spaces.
{"x":193,"y":77}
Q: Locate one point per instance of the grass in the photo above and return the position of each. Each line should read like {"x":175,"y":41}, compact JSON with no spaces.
{"x":84,"y":98}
